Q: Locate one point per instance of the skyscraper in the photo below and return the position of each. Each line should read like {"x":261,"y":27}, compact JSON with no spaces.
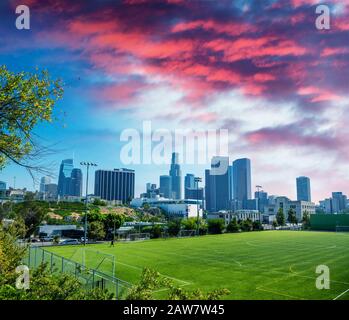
{"x":176,"y":176}
{"x":191,"y":188}
{"x":242,"y":181}
{"x":218,"y":185}
{"x":43,"y":182}
{"x":303,"y":189}
{"x":166,"y":186}
{"x":115,"y":185}
{"x":2,"y":185}
{"x":69,"y":179}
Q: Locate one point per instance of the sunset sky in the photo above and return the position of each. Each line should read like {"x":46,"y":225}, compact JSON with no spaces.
{"x":260,"y":69}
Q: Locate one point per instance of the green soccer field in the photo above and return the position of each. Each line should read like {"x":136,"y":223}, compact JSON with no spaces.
{"x":256,"y":265}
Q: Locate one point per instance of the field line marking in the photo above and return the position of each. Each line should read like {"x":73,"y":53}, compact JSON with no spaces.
{"x":164,"y":275}
{"x":343,"y":293}
{"x":279,"y":293}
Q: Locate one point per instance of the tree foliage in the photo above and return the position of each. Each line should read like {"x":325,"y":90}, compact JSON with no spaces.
{"x":26,"y":99}
{"x":233,"y":226}
{"x":215,"y":226}
{"x":280,"y":218}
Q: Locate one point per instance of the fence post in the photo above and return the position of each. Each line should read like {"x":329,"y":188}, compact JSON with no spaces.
{"x":76,"y":270}
{"x":62,"y":264}
{"x":93,"y":278}
{"x":30,"y":249}
{"x":51,"y":261}
{"x":35,"y":257}
{"x":43,"y":256}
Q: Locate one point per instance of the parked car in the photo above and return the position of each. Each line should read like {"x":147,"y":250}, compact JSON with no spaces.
{"x":68,"y":241}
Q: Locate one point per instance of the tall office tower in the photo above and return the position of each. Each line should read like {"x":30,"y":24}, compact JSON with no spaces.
{"x":191,"y":188}
{"x":262,"y":200}
{"x":339,"y":202}
{"x":2,"y":185}
{"x":303,"y":189}
{"x":166,"y":186}
{"x":76,"y":183}
{"x":218,"y":185}
{"x":242,"y":181}
{"x":64,"y":178}
{"x":176,"y":175}
{"x":43,"y":182}
{"x":115,"y":185}
{"x":51,"y":191}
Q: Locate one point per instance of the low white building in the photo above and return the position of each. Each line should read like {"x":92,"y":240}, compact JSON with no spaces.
{"x":240,"y":215}
{"x":49,"y":229}
{"x":179,"y":208}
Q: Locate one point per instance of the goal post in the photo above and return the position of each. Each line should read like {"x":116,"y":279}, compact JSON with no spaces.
{"x":138,"y":236}
{"x":95,"y":259}
{"x":186,"y":233}
{"x":342,"y":228}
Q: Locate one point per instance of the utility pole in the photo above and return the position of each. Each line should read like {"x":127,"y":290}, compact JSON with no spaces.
{"x":197,"y":180}
{"x":88,"y":165}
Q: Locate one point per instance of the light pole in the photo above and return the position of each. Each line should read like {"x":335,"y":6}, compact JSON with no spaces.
{"x":197,"y":180}
{"x":87,"y":164}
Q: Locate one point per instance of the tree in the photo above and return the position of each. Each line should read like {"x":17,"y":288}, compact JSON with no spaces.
{"x":189,"y":224}
{"x":174,"y":227}
{"x":257,"y":226}
{"x":275,"y":223}
{"x":151,"y":280}
{"x":280,"y":218}
{"x":96,"y":230}
{"x":215,"y":226}
{"x":32,"y":213}
{"x":306,"y":220}
{"x":26,"y":99}
{"x":233,"y":226}
{"x":113,"y":221}
{"x":246,"y":225}
{"x":291,"y":216}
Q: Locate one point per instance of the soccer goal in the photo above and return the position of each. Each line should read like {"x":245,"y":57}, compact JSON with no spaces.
{"x":342,"y":228}
{"x":186,"y":233}
{"x":138,"y":236}
{"x":94,"y":259}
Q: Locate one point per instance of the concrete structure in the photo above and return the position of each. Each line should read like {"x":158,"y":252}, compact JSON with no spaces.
{"x":177,"y":208}
{"x":49,"y":229}
{"x":218,"y":185}
{"x":166,"y":186}
{"x":240,"y":215}
{"x":300,"y":207}
{"x":176,"y":177}
{"x":115,"y":185}
{"x":303,"y":189}
{"x":242,"y":181}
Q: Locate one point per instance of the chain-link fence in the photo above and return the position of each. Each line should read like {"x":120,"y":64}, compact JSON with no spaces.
{"x":89,"y":278}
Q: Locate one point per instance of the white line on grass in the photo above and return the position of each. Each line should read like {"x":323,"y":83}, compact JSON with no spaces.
{"x":343,"y":293}
{"x":164,"y":275}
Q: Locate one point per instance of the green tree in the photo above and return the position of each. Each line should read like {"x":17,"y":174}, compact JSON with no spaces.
{"x":96,"y":230}
{"x":32,"y":213}
{"x":275,"y":223}
{"x":151,"y":280}
{"x":246,"y":225}
{"x":189,"y":224}
{"x":291,"y":216}
{"x":215,"y":226}
{"x":233,"y":226}
{"x":174,"y":227}
{"x":280,"y":218}
{"x":257,"y":226}
{"x":113,"y":221}
{"x":26,"y":99}
{"x":306,"y":220}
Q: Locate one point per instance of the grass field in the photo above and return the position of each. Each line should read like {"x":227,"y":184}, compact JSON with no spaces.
{"x":257,"y":265}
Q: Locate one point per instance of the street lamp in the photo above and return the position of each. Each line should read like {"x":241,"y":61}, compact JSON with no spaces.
{"x":88,"y":165}
{"x":197,"y":180}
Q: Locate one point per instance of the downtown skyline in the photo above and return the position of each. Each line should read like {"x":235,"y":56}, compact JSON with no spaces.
{"x":262,"y":71}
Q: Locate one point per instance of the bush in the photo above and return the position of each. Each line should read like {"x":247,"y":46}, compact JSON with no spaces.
{"x":233,"y":226}
{"x":174,"y":227}
{"x":215,"y":226}
{"x":246,"y":225}
{"x":257,"y":226}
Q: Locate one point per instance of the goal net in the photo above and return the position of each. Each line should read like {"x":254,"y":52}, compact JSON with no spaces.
{"x":138,"y":236}
{"x":342,"y":228}
{"x":94,"y":259}
{"x":186,"y":233}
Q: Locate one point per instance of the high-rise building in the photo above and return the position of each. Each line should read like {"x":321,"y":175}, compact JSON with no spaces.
{"x":115,"y":185}
{"x":43,"y":182}
{"x":176,"y":176}
{"x":191,"y":188}
{"x":242,"y":181}
{"x":262,"y":200}
{"x":303,"y":189}
{"x":218,"y":185}
{"x":339,"y":202}
{"x":166,"y":186}
{"x":69,"y":179}
{"x":2,"y":185}
{"x":50,"y":191}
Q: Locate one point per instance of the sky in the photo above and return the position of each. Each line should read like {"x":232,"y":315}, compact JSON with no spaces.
{"x":259,"y":69}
